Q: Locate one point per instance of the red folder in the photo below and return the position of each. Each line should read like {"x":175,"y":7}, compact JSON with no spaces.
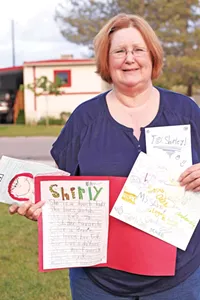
{"x":129,"y":249}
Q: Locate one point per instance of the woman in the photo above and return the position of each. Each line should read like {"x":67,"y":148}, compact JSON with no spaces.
{"x":104,"y":136}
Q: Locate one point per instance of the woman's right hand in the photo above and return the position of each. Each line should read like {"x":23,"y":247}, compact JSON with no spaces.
{"x":28,"y":209}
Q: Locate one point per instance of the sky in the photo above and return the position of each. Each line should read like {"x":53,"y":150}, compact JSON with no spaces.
{"x":37,"y":36}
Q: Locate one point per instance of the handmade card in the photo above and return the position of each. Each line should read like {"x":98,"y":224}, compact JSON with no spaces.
{"x":171,"y":145}
{"x":75,"y":229}
{"x":16,"y":179}
{"x":152,"y":202}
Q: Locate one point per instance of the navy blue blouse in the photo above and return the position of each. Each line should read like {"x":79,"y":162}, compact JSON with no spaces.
{"x":93,"y":143}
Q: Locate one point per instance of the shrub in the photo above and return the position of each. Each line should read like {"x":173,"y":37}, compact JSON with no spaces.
{"x":21,"y":117}
{"x":51,"y":121}
{"x":65,"y":115}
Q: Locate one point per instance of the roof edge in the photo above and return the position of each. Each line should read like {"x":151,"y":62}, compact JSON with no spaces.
{"x":59,"y":61}
{"x":14,"y":68}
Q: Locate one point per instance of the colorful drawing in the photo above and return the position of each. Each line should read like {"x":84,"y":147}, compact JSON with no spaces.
{"x":21,"y":187}
{"x":16,"y":184}
{"x":162,"y":207}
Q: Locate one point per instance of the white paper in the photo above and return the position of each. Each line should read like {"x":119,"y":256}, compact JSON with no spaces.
{"x":171,"y":145}
{"x":15,"y":185}
{"x":75,"y":223}
{"x":151,"y":201}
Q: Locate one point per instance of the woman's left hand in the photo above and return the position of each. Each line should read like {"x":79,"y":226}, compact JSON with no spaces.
{"x":190,"y":178}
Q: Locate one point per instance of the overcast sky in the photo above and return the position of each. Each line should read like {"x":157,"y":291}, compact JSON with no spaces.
{"x":37,"y":35}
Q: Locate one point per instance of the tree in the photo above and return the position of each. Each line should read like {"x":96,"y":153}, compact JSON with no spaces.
{"x":43,"y":86}
{"x":180,"y":37}
{"x":176,"y":23}
{"x":79,"y":21}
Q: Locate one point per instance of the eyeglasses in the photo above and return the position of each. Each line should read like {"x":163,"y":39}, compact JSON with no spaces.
{"x":122,"y":52}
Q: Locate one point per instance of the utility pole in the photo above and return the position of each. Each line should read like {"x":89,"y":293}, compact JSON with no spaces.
{"x":13,"y":41}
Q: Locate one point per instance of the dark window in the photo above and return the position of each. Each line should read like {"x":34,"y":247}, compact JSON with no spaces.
{"x":65,"y":76}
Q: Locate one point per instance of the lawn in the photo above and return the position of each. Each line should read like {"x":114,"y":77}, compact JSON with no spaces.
{"x":27,"y":130}
{"x":20,"y":279}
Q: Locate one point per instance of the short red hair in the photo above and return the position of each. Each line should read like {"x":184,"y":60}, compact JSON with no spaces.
{"x":102,"y":43}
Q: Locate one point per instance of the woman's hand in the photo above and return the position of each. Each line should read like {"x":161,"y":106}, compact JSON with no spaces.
{"x":29,"y":210}
{"x":190,"y":178}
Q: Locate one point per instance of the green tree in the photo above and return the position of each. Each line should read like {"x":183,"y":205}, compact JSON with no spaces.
{"x":180,"y":37}
{"x":176,"y":23}
{"x":43,"y":86}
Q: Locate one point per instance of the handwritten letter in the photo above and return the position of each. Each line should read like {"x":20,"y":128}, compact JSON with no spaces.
{"x":75,"y":223}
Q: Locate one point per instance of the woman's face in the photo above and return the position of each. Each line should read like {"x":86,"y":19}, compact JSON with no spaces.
{"x":131,"y":70}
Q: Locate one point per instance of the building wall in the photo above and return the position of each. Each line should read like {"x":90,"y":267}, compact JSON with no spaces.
{"x":197,"y":99}
{"x":85,"y":84}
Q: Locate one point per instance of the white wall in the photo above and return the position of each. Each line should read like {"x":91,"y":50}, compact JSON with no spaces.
{"x":30,"y":113}
{"x":54,"y":105}
{"x":85,"y":84}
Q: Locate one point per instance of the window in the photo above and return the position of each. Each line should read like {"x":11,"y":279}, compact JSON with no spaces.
{"x":65,"y":76}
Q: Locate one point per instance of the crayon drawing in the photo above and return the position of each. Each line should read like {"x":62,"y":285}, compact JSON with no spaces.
{"x":157,"y":205}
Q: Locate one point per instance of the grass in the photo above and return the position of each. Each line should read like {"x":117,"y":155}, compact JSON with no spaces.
{"x":28,"y":130}
{"x":20,"y":278}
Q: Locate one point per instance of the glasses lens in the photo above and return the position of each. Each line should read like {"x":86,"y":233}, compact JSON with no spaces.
{"x":119,"y":53}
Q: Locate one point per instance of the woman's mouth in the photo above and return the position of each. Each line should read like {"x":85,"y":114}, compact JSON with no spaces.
{"x":131,"y":70}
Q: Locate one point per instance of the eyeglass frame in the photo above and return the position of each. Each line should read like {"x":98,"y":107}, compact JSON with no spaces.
{"x":141,"y":53}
